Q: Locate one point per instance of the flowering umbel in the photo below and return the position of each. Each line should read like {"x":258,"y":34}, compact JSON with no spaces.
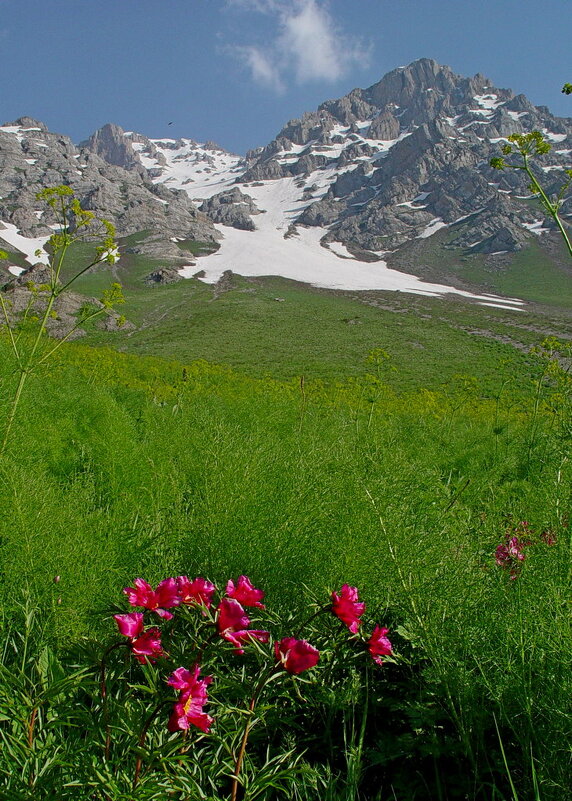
{"x":347,"y":607}
{"x":192,"y":697}
{"x":296,"y":655}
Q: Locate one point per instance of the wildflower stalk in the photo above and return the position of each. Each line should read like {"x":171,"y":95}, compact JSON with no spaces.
{"x":103,"y":692}
{"x":142,"y":738}
{"x":60,"y":199}
{"x":551,"y":208}
{"x":534,"y":144}
{"x":265,"y":678}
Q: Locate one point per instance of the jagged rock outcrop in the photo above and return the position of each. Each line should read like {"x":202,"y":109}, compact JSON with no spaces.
{"x":66,"y":310}
{"x":111,"y":144}
{"x":164,"y":275}
{"x":411,"y":153}
{"x":231,"y":207}
{"x":32,"y":158}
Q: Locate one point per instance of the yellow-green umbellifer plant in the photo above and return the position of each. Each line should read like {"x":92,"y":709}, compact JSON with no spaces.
{"x":527,"y":147}
{"x":76,"y":224}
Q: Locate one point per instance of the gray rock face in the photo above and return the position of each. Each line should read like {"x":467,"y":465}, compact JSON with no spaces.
{"x":231,"y":207}
{"x":31,"y":158}
{"x":165,"y":275}
{"x":114,"y":147}
{"x":413,"y":150}
{"x":384,"y":126}
{"x":66,"y":308}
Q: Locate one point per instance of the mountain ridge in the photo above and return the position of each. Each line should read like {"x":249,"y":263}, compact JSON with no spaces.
{"x":354,"y":182}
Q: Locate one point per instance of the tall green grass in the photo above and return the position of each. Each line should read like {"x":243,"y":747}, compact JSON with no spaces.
{"x":120,"y":468}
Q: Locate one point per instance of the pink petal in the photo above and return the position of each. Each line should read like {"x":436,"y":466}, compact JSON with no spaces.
{"x":167,"y":593}
{"x":296,"y":655}
{"x":181,"y":678}
{"x":231,"y":615}
{"x":199,"y":591}
{"x":244,"y":592}
{"x":141,"y":594}
{"x":164,"y":614}
{"x":130,"y":625}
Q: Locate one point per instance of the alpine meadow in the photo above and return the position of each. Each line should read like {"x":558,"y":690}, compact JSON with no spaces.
{"x":285,"y":453}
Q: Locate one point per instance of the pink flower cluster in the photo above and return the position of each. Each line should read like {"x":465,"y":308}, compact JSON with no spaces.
{"x":170,"y":593}
{"x":349,"y":609}
{"x":192,"y":697}
{"x":510,"y":554}
{"x":145,"y":645}
{"x":232,"y":624}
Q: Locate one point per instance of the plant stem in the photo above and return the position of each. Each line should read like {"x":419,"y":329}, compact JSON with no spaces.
{"x":142,"y":738}
{"x":255,"y":696}
{"x":550,"y":207}
{"x":240,"y":757}
{"x":321,"y":610}
{"x":13,"y":408}
{"x":31,"y":726}
{"x":10,"y":332}
{"x":103,"y":692}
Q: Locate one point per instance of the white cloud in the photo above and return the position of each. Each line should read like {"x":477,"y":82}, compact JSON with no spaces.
{"x":262,"y":69}
{"x":308,"y":45}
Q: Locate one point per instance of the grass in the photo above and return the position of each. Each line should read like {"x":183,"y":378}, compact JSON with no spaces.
{"x":123,"y":466}
{"x":319,"y":334}
{"x":538,"y":275}
{"x":531,"y":275}
{"x":381,"y":440}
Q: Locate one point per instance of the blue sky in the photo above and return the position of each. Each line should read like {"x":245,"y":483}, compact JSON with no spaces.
{"x":235,"y":71}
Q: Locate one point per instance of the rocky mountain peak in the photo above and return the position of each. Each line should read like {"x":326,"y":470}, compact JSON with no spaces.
{"x":366,"y":177}
{"x":27,"y":123}
{"x":111,"y":144}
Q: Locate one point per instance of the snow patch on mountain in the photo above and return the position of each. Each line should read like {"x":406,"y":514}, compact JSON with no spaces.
{"x":29,"y":247}
{"x":278,"y":245}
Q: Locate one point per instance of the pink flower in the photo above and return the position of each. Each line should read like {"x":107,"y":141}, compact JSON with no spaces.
{"x":548,"y":537}
{"x":510,"y":554}
{"x":198,"y":592}
{"x":502,"y":557}
{"x":148,"y":646}
{"x":130,"y":625}
{"x":165,"y":596}
{"x":192,"y":697}
{"x":244,"y":592}
{"x":378,"y":644}
{"x":514,"y":547}
{"x":231,"y":625}
{"x":144,"y":644}
{"x":231,"y":616}
{"x":346,"y":605}
{"x":296,"y":655}
{"x":237,"y":638}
